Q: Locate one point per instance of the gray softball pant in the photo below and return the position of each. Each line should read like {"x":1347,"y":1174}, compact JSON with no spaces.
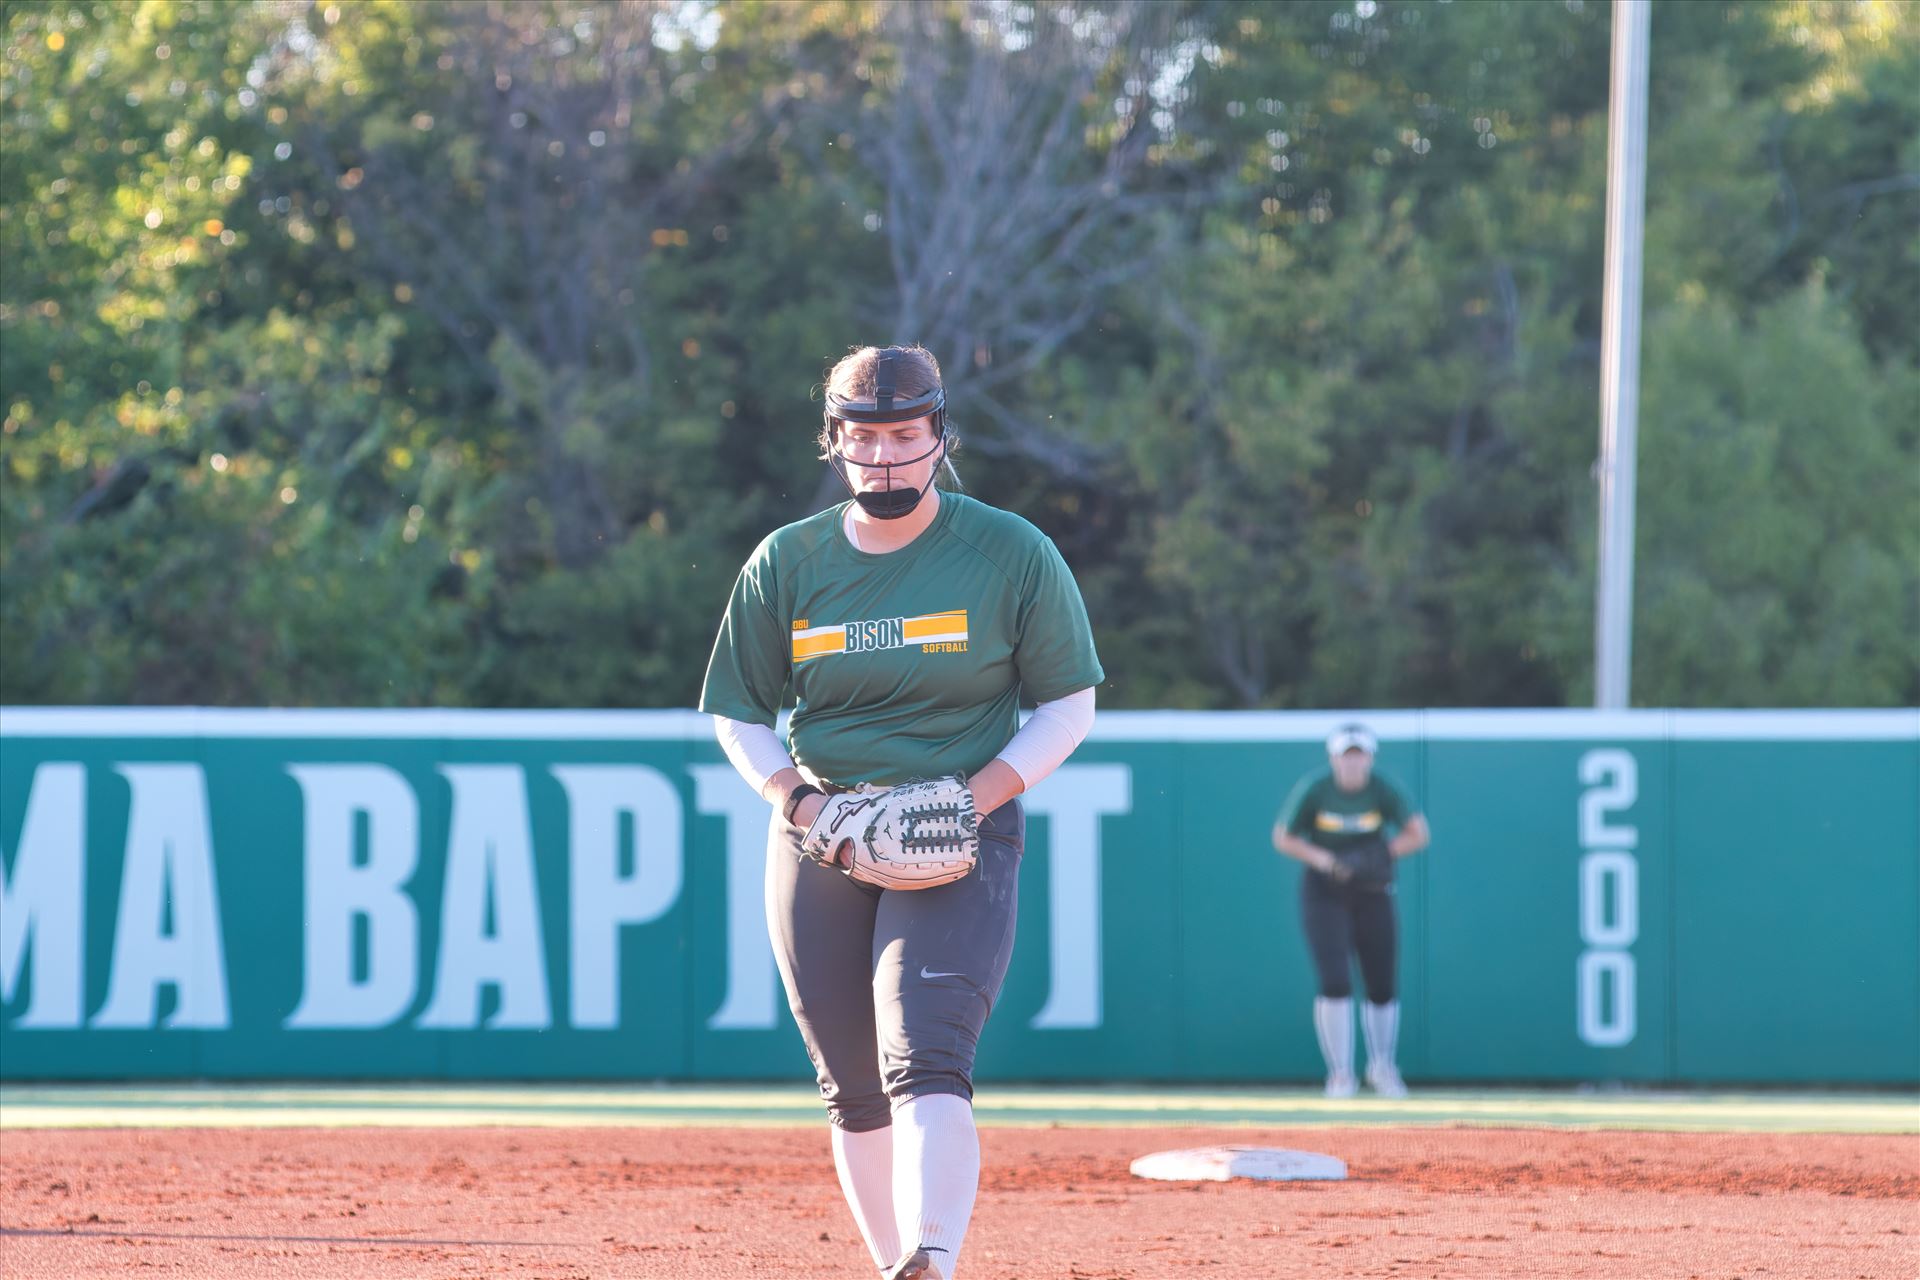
{"x":891,"y":987}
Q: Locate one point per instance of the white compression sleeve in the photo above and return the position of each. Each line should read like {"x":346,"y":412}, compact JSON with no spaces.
{"x":1049,"y":736}
{"x":754,"y":749}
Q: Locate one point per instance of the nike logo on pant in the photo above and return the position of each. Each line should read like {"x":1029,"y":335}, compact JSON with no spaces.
{"x":928,"y":973}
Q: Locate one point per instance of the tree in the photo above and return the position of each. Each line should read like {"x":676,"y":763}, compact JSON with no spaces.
{"x":399,"y":353}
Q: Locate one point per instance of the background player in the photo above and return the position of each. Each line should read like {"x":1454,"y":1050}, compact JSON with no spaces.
{"x":1350,"y":825}
{"x":908,"y":624}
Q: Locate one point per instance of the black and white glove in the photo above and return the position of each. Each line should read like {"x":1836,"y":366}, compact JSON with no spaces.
{"x":917,"y":835}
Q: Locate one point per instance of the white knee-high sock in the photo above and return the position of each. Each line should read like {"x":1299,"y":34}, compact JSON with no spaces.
{"x":865,"y":1164}
{"x":1333,"y":1023}
{"x":1381,"y":1022}
{"x":936,"y":1172}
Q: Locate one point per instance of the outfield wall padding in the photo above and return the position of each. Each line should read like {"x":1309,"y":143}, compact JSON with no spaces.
{"x":1648,"y":896}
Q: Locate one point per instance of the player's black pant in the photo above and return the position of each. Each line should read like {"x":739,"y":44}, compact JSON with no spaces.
{"x":891,"y":987}
{"x":1342,"y":922}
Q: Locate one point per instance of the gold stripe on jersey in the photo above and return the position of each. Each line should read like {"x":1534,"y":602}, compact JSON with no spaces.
{"x":812,"y":642}
{"x":931,"y":628}
{"x":946,"y":627}
{"x":1349,"y":822}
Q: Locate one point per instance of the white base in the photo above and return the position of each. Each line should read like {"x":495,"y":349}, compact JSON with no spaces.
{"x":1221,"y":1164}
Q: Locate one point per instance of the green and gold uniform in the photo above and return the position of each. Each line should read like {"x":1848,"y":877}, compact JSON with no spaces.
{"x":1336,"y":820}
{"x":908,"y":664}
{"x":1343,"y":921}
{"x":905,"y":664}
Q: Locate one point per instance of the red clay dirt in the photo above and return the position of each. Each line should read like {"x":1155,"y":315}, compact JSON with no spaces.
{"x":1055,"y":1204}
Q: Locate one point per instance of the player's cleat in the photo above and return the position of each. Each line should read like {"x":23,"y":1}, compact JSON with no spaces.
{"x":1341,"y":1084}
{"x":917,"y":1265}
{"x":1384,"y":1079}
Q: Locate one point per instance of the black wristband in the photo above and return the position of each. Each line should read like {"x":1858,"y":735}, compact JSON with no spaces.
{"x":795,"y":796}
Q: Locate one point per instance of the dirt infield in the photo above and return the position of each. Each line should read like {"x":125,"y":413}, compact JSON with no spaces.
{"x":1055,"y":1202}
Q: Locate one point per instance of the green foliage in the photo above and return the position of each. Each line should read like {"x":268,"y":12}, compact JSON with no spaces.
{"x":385,"y":353}
{"x":1779,"y":526}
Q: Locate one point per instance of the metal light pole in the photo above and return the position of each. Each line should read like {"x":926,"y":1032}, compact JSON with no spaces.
{"x":1620,"y":354}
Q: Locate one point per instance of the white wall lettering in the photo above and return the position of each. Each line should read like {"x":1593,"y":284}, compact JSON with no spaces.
{"x":1606,"y":998}
{"x":340,"y":890}
{"x":601,"y":900}
{"x":1613,"y":779}
{"x":1609,"y":899}
{"x":1073,"y":800}
{"x":490,"y":911}
{"x":752,"y":982}
{"x":42,"y":899}
{"x":168,"y":928}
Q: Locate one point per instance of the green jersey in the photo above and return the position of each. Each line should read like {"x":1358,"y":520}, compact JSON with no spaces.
{"x":907,"y":664}
{"x":1320,"y":811}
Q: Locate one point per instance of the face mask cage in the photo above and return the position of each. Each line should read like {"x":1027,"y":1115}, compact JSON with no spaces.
{"x":885,"y":407}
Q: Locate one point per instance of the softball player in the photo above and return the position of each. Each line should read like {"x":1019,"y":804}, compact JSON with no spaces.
{"x":1346,"y":904}
{"x":908,"y":624}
